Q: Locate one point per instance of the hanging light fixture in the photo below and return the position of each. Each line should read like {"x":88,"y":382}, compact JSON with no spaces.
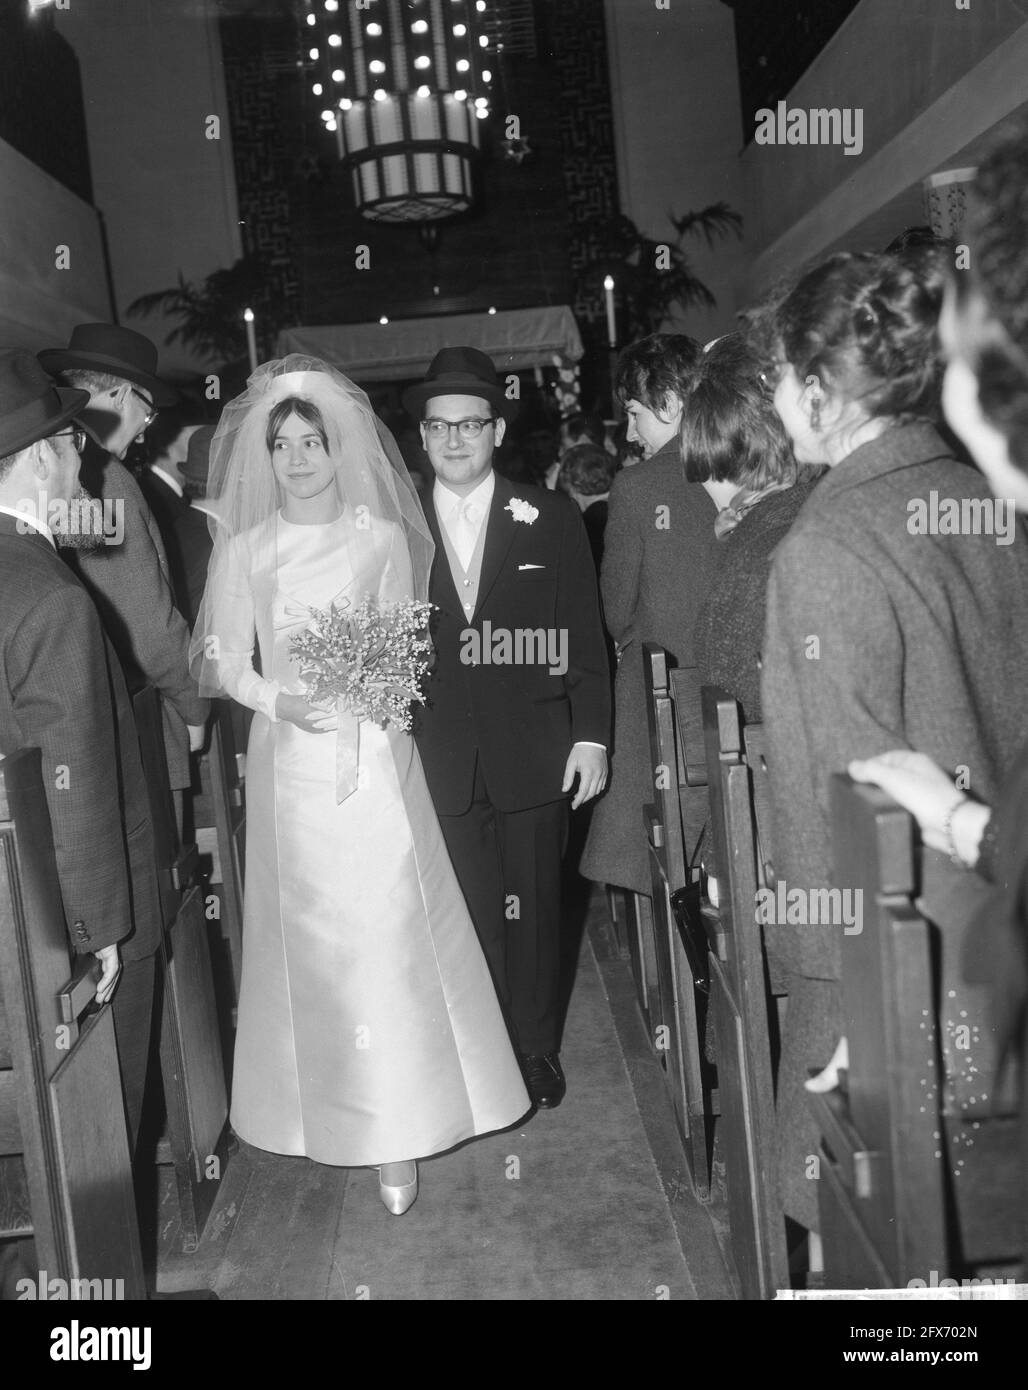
{"x":409,"y":90}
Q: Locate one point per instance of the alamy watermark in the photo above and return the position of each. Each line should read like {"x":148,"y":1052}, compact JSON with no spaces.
{"x":519,"y":646}
{"x":819,"y":125}
{"x":103,"y":519}
{"x":783,"y":906}
{"x":962,"y":516}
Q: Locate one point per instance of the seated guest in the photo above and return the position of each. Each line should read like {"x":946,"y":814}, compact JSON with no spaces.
{"x":130,"y":581}
{"x":62,"y":691}
{"x":984,"y":330}
{"x":735,"y":445}
{"x":882,"y":632}
{"x":659,"y":546}
{"x":586,"y":473}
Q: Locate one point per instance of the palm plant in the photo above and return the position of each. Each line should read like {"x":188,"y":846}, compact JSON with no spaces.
{"x":211,"y":311}
{"x":652,"y":276}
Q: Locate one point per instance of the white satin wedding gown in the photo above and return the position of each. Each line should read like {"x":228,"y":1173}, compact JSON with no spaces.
{"x":369,"y":1029}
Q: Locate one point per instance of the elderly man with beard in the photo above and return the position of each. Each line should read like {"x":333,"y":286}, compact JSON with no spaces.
{"x":62,"y":691}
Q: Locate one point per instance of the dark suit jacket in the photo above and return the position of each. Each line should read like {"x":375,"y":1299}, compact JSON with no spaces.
{"x":878,"y":638}
{"x":131,"y":586}
{"x":62,"y":691}
{"x":518,"y":719}
{"x":659,"y":549}
{"x":187,"y":542}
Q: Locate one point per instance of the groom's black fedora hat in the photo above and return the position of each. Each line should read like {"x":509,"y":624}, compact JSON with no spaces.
{"x":31,"y":406}
{"x":105,"y":347}
{"x":460,"y":371}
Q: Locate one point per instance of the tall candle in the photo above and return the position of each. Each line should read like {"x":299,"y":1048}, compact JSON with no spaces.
{"x":251,"y":338}
{"x":608,"y":289}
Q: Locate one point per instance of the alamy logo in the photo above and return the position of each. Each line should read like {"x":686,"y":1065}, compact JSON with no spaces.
{"x":783,"y":906}
{"x":819,"y":125}
{"x":102,"y":518}
{"x":962,"y":516}
{"x":519,"y":646}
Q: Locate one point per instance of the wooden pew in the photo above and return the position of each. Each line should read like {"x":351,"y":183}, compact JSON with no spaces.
{"x":65,"y":1169}
{"x":679,"y":1001}
{"x":192,"y":1067}
{"x":909,"y":1185}
{"x":741,"y":1010}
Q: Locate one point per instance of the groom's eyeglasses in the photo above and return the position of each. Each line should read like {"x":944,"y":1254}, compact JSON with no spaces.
{"x":469,"y":428}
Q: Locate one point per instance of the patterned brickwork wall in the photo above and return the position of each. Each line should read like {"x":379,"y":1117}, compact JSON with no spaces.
{"x":261,"y":80}
{"x":577,"y":39}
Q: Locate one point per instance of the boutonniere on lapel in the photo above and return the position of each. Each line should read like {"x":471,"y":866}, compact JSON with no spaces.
{"x":522,"y":511}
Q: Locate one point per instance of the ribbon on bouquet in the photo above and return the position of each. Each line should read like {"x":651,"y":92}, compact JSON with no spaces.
{"x":348,"y":747}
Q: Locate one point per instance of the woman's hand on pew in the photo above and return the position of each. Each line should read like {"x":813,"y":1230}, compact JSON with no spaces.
{"x":110,"y":970}
{"x":950,"y":821}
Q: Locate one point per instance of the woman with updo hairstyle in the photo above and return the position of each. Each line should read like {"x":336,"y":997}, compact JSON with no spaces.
{"x":735,"y":445}
{"x":888,"y":625}
{"x":984,"y":330}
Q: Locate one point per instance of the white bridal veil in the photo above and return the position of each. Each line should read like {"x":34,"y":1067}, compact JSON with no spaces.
{"x":371,"y":480}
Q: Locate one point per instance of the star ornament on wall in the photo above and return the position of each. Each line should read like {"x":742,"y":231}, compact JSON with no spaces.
{"x":517,"y":150}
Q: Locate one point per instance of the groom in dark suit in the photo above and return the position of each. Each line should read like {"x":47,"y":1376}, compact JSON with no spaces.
{"x":518,"y":702}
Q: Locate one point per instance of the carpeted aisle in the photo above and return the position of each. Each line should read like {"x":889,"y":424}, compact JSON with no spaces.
{"x":573,"y":1204}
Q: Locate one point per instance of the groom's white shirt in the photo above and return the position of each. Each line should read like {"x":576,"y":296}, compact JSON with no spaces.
{"x":462,"y":517}
{"x":463,"y":531}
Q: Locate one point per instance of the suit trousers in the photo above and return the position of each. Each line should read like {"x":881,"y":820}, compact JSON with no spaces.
{"x":508,"y":864}
{"x":133,"y":1007}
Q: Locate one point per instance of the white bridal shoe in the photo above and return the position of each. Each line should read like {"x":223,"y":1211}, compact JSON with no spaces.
{"x":399,"y":1198}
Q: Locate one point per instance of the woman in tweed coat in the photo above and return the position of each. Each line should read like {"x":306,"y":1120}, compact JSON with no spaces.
{"x":881,"y":633}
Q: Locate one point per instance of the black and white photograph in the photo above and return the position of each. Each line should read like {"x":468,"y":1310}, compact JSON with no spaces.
{"x":514,"y":668}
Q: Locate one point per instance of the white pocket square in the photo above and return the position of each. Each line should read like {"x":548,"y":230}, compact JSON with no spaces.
{"x":531,"y":567}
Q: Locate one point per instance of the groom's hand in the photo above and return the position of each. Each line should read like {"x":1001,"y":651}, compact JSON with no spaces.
{"x":589,"y":763}
{"x":309,"y":718}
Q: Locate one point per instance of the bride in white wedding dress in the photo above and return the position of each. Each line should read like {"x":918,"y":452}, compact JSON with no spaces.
{"x":369,"y":1032}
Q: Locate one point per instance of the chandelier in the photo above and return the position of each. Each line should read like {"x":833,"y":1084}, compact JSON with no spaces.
{"x":402,"y":85}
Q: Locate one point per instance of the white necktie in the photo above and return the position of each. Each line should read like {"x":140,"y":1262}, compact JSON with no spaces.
{"x":465,"y":533}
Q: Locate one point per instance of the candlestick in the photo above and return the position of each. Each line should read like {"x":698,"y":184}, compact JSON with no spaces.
{"x":251,"y":338}
{"x":608,"y":288}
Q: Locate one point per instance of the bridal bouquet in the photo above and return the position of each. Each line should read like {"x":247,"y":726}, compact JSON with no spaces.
{"x":369,"y":657}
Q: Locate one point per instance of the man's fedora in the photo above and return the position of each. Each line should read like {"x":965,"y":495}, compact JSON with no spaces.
{"x":104,"y":347}
{"x":460,"y":371}
{"x":31,"y":406}
{"x":197,"y":464}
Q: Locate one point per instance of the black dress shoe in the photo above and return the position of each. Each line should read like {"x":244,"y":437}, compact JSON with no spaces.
{"x":545,"y":1080}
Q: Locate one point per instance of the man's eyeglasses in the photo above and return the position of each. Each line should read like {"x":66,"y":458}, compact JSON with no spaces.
{"x":469,"y":428}
{"x":77,"y":437}
{"x":152,"y":411}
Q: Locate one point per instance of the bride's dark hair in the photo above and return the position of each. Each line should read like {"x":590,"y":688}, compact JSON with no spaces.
{"x":867,"y":325}
{"x":992,"y":295}
{"x":295,"y":405}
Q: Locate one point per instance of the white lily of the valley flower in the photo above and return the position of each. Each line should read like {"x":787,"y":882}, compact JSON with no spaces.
{"x":522,"y":511}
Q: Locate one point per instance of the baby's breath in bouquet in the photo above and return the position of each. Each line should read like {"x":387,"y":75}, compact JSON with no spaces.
{"x":372,"y":658}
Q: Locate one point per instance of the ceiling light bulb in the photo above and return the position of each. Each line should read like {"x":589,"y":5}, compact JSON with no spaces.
{"x":376,"y":65}
{"x":380,"y":94}
{"x":420,"y":26}
{"x":334,"y":40}
{"x":460,"y":30}
{"x":422,"y":62}
{"x":375,"y":31}
{"x":460,"y":94}
{"x":314,"y":55}
{"x":317,"y":89}
{"x":486,"y":75}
